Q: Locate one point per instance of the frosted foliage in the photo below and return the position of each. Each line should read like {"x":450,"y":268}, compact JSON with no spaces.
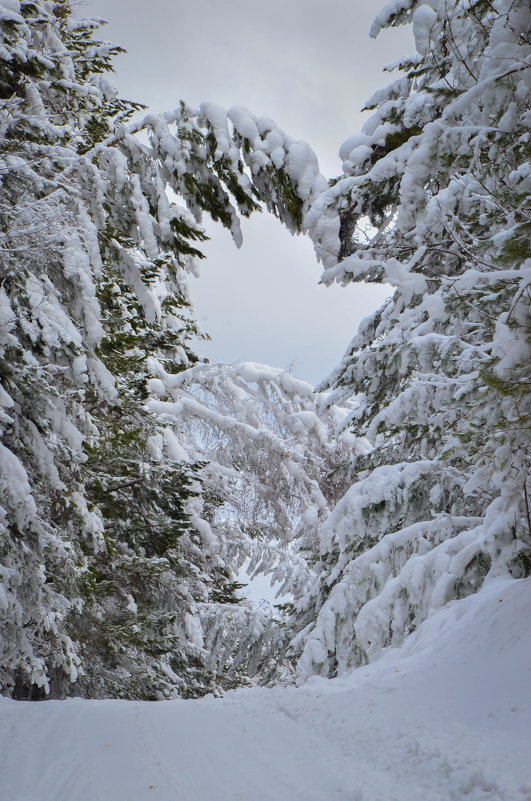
{"x":95,"y":255}
{"x":269,"y":440}
{"x":395,"y":12}
{"x":274,"y":466}
{"x":135,"y":482}
{"x":59,"y":388}
{"x":435,"y":202}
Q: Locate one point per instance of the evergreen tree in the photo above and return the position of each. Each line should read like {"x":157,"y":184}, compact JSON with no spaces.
{"x":434,"y":202}
{"x":99,"y":584}
{"x":118,"y":545}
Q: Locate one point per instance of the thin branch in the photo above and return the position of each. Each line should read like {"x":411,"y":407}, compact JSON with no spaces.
{"x":126,"y":484}
{"x":527,"y":508}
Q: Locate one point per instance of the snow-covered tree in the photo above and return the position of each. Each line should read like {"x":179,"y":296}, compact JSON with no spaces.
{"x":99,"y":586}
{"x":131,"y":491}
{"x":274,"y":467}
{"x":434,"y":202}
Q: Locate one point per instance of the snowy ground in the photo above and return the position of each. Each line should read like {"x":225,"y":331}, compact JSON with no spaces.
{"x":446,"y":717}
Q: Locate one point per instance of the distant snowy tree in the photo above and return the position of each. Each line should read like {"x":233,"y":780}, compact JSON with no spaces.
{"x":274,"y":467}
{"x":435,"y":202}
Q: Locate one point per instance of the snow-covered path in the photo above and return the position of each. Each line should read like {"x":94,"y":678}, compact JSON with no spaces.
{"x":446,"y":717}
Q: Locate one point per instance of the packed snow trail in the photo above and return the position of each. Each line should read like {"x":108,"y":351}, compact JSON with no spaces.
{"x":445,"y":717}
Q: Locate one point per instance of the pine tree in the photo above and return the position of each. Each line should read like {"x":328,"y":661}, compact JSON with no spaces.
{"x":103,"y":570}
{"x":118,"y":545}
{"x":434,"y":202}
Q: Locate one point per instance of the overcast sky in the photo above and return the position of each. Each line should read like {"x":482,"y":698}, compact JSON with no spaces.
{"x":308,"y":64}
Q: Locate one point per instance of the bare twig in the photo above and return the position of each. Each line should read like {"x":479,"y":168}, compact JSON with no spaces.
{"x":126,"y":484}
{"x":527,"y":508}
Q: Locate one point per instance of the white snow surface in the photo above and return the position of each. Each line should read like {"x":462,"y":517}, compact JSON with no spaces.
{"x":443,"y":718}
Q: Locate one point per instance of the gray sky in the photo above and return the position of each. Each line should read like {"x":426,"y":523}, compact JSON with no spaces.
{"x":309,"y":65}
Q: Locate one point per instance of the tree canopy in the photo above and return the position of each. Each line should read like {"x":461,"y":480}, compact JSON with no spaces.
{"x":135,"y":480}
